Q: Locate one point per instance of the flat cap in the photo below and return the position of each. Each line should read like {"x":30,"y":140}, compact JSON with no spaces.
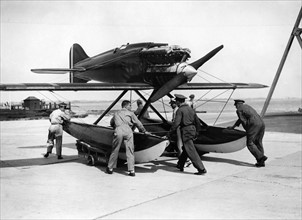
{"x":179,"y":96}
{"x":238,"y":101}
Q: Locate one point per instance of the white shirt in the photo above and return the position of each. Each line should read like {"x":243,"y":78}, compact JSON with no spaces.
{"x":57,"y":117}
{"x":191,"y":103}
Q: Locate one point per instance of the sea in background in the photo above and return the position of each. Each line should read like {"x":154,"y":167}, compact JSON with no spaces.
{"x":212,"y":112}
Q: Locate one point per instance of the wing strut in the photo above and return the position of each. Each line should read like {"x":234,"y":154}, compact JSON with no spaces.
{"x":224,"y":106}
{"x":110,"y":107}
{"x":295,"y":32}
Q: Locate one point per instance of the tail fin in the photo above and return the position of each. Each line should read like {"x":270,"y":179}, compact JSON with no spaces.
{"x":76,"y":54}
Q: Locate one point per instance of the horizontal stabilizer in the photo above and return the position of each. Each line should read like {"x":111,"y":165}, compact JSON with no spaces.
{"x":57,"y":70}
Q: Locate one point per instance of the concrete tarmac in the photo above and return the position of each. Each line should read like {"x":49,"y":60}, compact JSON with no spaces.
{"x":33,"y":187}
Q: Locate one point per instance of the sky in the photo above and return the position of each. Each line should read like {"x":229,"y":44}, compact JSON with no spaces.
{"x":39,"y":34}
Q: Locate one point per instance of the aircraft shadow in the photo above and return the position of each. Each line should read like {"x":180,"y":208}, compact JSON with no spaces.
{"x":171,"y":167}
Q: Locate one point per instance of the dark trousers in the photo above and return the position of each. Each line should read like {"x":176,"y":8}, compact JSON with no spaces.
{"x":190,"y":151}
{"x":254,"y":143}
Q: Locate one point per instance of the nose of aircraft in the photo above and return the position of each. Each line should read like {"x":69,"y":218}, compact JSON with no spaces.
{"x":185,"y":73}
{"x":188,"y":71}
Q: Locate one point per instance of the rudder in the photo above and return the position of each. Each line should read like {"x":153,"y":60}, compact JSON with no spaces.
{"x":76,"y":54}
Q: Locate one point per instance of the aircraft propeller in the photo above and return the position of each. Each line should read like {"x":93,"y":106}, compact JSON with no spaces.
{"x":185,"y":73}
{"x":201,"y":61}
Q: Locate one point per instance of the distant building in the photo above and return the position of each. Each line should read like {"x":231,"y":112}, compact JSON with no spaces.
{"x":32,"y":103}
{"x":31,"y":107}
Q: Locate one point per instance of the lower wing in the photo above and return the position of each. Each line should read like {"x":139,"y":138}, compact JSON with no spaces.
{"x":120,"y":86}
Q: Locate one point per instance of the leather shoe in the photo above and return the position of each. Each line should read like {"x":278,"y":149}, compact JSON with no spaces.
{"x":261,"y":162}
{"x":181,"y":169}
{"x":46,"y":155}
{"x":201,"y":172}
{"x":109,"y":171}
{"x":131,"y":174}
{"x":60,"y":158}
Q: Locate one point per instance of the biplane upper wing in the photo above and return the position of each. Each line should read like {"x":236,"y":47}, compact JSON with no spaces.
{"x":120,"y":86}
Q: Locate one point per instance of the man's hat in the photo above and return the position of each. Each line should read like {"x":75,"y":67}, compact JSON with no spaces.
{"x":62,"y":104}
{"x":238,"y":101}
{"x":139,"y":102}
{"x":192,"y":96}
{"x":172,"y":102}
{"x":179,"y":97}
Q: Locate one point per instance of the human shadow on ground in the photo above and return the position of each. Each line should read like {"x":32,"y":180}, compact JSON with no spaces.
{"x":209,"y":159}
{"x":69,"y":145}
{"x":52,"y":159}
{"x":39,"y":159}
{"x":224,"y":160}
{"x":167,"y":163}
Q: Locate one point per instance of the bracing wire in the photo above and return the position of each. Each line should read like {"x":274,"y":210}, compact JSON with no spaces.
{"x":56,"y":95}
{"x":47,"y":98}
{"x":204,"y":78}
{"x":224,"y":107}
{"x":211,"y":100}
{"x":215,"y":77}
{"x":62,"y":98}
{"x":201,"y":98}
{"x":162,"y":101}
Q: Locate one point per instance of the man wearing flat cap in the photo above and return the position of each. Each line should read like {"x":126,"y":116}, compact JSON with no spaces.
{"x":254,"y":127}
{"x":189,"y":124}
{"x":191,"y":101}
{"x":55,"y":130}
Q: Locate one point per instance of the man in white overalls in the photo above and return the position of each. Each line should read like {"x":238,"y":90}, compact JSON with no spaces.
{"x":55,"y":130}
{"x":122,"y":122}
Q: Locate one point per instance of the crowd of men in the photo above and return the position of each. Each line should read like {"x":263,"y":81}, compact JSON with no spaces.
{"x":185,"y":124}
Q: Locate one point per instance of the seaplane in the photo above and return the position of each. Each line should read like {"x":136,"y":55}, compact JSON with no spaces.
{"x":159,"y":67}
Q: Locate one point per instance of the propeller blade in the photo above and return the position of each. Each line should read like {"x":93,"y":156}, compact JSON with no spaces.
{"x":201,"y":61}
{"x":185,"y":73}
{"x":169,"y":86}
{"x":170,"y":96}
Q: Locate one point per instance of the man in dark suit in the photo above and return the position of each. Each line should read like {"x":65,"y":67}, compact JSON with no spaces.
{"x":254,"y":127}
{"x":189,"y":124}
